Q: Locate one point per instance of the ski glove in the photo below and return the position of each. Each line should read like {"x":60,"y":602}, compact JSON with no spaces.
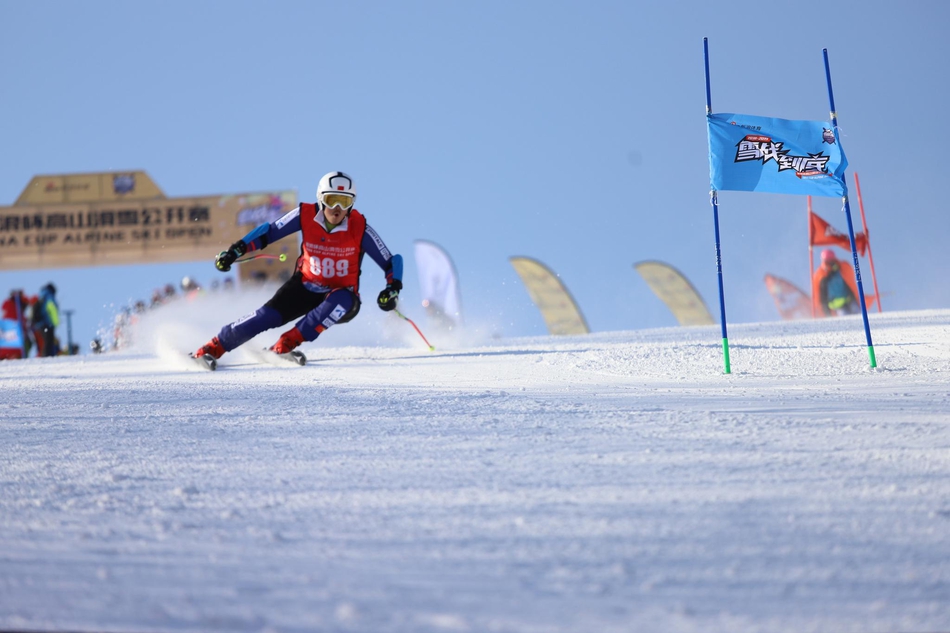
{"x":225,"y":258}
{"x":387,"y":298}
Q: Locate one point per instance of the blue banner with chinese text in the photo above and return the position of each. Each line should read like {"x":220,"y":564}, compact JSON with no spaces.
{"x":753,"y":153}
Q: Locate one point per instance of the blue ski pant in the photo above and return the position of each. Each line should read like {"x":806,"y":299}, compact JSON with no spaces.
{"x":320,"y":310}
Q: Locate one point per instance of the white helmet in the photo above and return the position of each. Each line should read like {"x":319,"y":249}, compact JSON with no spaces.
{"x":336,"y":182}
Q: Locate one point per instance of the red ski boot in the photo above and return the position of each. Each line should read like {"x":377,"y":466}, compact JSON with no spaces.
{"x":208,"y":354}
{"x":286,"y":345}
{"x":288,"y":341}
{"x":212,"y":348}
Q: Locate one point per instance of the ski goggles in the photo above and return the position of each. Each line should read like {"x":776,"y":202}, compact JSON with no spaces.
{"x":341,"y":200}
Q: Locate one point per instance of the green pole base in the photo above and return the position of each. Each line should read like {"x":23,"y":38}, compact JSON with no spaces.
{"x":725,"y":355}
{"x":871,"y":354}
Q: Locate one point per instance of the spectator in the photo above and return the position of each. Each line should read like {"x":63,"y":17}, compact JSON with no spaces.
{"x":15,"y":310}
{"x":45,"y":321}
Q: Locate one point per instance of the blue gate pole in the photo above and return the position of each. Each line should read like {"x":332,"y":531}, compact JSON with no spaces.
{"x":847,"y":212}
{"x":714,"y":200}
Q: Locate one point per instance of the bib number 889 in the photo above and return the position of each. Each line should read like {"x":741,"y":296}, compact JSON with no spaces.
{"x":328,"y":267}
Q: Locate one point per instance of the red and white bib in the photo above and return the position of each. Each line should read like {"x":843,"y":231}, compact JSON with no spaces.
{"x":331,"y":258}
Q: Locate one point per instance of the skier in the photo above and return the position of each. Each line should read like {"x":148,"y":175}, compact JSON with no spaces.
{"x":834,"y":286}
{"x":324,"y":289}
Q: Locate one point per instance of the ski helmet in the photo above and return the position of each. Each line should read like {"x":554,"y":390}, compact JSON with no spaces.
{"x":340,"y":187}
{"x":828,"y":256}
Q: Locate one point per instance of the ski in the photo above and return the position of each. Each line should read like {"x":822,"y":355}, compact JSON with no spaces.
{"x":298,"y":357}
{"x":295,"y":357}
{"x":206,"y":362}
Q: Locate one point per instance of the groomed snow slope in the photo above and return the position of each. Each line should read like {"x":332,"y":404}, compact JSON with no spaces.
{"x":613,"y":482}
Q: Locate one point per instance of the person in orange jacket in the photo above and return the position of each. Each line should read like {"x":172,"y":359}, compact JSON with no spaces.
{"x":834,"y":291}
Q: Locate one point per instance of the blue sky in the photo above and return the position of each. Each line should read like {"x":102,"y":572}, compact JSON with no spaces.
{"x":570,"y":132}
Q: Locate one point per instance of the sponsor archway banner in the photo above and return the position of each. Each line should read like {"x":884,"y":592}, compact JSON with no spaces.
{"x":557,"y":306}
{"x":120,"y":218}
{"x":679,"y":295}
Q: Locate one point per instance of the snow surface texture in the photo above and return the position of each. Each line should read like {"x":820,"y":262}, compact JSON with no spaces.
{"x":612,"y":482}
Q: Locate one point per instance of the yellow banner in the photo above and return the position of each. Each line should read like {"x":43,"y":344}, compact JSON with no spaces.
{"x":676,"y":292}
{"x":557,"y":307}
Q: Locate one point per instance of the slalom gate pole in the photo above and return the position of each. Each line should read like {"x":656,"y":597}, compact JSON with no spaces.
{"x":69,"y":330}
{"x":282,"y":257}
{"x":847,"y":212}
{"x":714,"y":201}
{"x":867,"y":237}
{"x":413,"y":324}
{"x":722,"y":300}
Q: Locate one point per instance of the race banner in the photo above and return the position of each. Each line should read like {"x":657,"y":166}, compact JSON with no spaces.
{"x":439,"y":282}
{"x":753,"y":153}
{"x":558,"y":308}
{"x":679,"y":295}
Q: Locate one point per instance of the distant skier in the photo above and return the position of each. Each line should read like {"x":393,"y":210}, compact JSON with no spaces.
{"x":833,"y":286}
{"x":324,"y":289}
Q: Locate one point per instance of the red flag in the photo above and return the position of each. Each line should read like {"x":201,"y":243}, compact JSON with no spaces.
{"x":820,"y":233}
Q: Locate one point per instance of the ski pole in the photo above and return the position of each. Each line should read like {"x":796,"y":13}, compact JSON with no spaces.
{"x":282,"y":257}
{"x":412,"y":323}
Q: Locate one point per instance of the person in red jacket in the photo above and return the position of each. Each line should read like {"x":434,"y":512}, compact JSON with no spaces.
{"x":10,"y":309}
{"x":324,"y":289}
{"x":15,"y":308}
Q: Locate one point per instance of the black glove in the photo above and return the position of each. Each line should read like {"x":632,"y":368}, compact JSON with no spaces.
{"x":387,"y":298}
{"x":225,"y":258}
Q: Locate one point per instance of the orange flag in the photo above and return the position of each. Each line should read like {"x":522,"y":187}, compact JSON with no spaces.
{"x":791,"y":302}
{"x":820,"y":233}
